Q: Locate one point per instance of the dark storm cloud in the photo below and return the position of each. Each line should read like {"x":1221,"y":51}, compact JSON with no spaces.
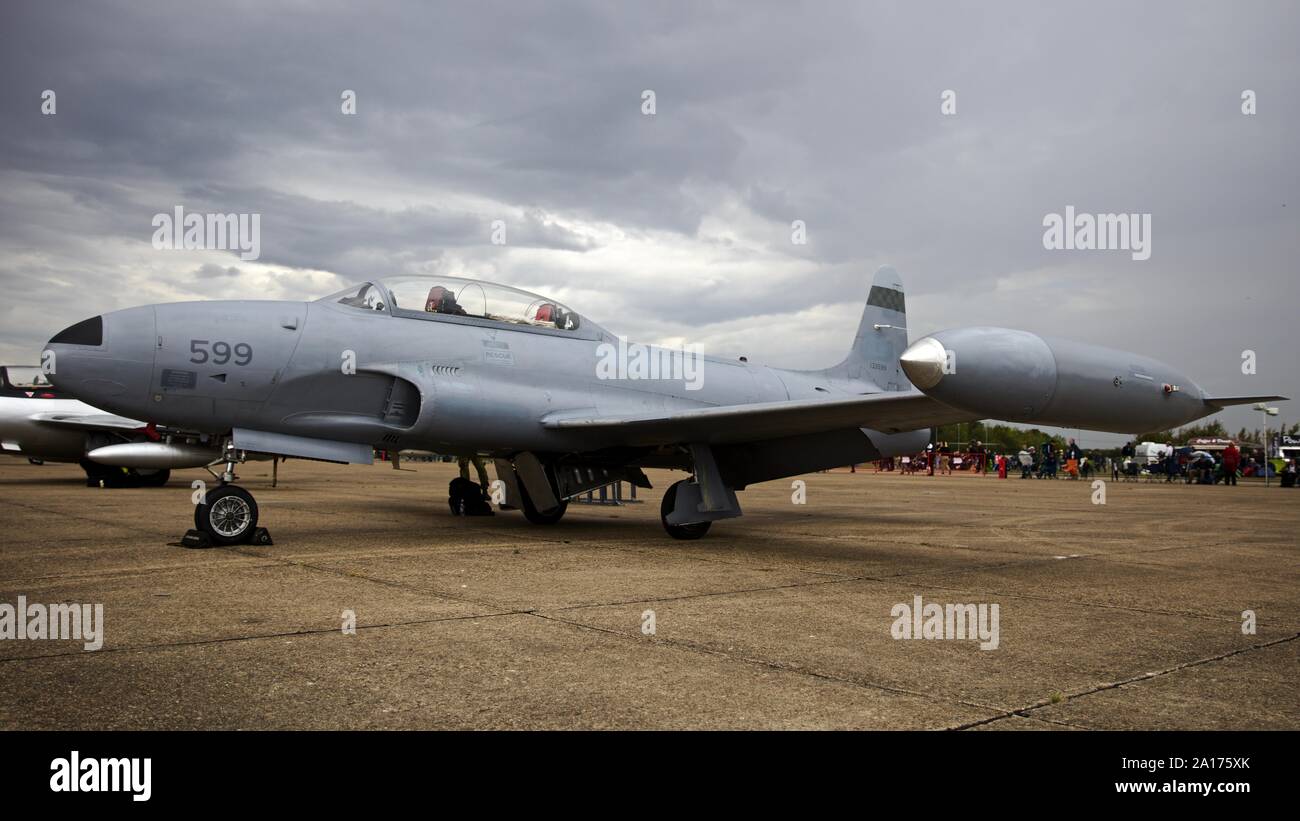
{"x":676,"y":224}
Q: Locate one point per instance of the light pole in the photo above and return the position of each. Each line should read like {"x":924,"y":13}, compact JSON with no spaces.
{"x":1267,"y":411}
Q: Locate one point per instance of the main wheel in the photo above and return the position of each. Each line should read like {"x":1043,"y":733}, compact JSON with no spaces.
{"x":536,"y":516}
{"x":153,"y":478}
{"x":118,"y":477}
{"x":228,"y":515}
{"x":95,"y":472}
{"x":685,"y":532}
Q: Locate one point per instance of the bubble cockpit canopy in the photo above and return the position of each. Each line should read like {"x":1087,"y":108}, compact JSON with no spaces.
{"x":423,"y":295}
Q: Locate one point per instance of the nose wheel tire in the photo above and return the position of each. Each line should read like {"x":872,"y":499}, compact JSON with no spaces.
{"x":688,"y":532}
{"x":228,"y":515}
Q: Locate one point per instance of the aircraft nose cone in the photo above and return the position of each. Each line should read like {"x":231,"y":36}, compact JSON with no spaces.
{"x":106,"y":361}
{"x":923,"y":362}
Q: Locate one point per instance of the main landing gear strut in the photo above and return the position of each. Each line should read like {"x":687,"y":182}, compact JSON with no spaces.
{"x":692,"y":505}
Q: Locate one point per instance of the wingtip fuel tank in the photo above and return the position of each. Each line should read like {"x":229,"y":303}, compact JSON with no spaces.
{"x":1018,"y":376}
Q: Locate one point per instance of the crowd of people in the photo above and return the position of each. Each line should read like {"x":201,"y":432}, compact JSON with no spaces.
{"x":1048,"y":461}
{"x":1041,"y":462}
{"x":940,"y":458}
{"x":1201,"y":467}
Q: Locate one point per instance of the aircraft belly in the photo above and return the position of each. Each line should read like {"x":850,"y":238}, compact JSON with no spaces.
{"x":790,"y":456}
{"x":753,"y":462}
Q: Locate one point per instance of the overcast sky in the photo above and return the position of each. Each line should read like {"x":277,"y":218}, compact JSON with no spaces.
{"x":676,"y":226}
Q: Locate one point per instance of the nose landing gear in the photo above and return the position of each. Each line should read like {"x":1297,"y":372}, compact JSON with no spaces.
{"x":226,"y":515}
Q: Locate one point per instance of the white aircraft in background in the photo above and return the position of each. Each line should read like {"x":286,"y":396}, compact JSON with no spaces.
{"x":41,"y":426}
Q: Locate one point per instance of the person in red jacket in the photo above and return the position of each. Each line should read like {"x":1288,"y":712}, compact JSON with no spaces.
{"x":1231,"y":459}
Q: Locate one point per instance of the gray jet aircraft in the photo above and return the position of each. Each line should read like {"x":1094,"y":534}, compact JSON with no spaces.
{"x":563,"y":406}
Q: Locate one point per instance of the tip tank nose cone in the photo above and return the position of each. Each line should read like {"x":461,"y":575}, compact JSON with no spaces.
{"x":923,"y":362}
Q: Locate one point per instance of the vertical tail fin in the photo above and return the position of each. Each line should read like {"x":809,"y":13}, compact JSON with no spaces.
{"x":881,"y":337}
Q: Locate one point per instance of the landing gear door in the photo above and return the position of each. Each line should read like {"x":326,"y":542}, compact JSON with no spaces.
{"x":506,"y":473}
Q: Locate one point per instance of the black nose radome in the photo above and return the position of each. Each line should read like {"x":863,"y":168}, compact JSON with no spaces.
{"x":86,"y":332}
{"x":105,"y":361}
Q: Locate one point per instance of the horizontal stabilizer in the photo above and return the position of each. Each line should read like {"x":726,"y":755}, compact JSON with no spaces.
{"x":1227,"y":401}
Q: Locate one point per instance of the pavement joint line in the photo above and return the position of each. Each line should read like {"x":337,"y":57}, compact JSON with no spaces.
{"x":797,"y":567}
{"x":1060,"y":723}
{"x":702,"y":595}
{"x":491,"y":603}
{"x":888,"y":580}
{"x":72,"y":514}
{"x":830,"y":537}
{"x":363,"y":577}
{"x":1114,"y":685}
{"x":1171,"y":570}
{"x":1099,"y":605}
{"x":679,"y":554}
{"x":931,"y":571}
{"x":167,"y":645}
{"x":711,"y":559}
{"x":1094,"y":556}
{"x":765,"y":663}
{"x":123,"y":573}
{"x":1042,"y":719}
{"x":1049,"y":542}
{"x":1026,"y":557}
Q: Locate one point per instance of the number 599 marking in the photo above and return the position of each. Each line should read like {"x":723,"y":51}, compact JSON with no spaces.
{"x":220,"y":353}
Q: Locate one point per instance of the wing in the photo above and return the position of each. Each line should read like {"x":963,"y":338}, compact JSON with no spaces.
{"x":888,"y":412}
{"x":86,"y":421}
